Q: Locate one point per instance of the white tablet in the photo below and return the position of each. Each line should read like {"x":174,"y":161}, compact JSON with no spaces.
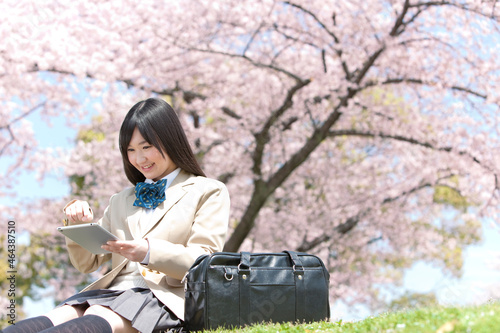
{"x":89,"y":235}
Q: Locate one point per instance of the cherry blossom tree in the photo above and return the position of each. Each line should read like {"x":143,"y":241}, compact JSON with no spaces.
{"x":363,"y":131}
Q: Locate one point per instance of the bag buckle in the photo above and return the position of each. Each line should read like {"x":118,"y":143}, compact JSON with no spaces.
{"x":299,"y":272}
{"x":226,"y":271}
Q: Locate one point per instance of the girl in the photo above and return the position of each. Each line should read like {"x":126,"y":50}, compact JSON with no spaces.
{"x":174,"y":215}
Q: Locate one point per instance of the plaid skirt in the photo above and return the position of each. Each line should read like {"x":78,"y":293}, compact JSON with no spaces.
{"x":139,"y":305}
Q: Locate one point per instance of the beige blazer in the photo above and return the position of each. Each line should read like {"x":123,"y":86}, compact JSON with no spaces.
{"x":192,"y":221}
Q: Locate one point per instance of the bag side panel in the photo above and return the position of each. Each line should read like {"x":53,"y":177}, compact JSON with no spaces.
{"x":195,"y":295}
{"x":222,"y":297}
{"x":317,"y":282}
{"x":317,"y":305}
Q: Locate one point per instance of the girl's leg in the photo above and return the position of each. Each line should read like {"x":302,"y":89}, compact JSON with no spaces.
{"x":40,"y":323}
{"x":65,"y":313}
{"x":83,"y":324}
{"x":69,"y":319}
{"x":117,"y":322}
{"x":30,"y":325}
{"x":96,"y":319}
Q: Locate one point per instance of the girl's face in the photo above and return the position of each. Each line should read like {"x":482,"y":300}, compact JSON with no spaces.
{"x":147,"y":159}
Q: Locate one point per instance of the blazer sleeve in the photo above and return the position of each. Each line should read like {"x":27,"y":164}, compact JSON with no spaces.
{"x":84,"y":260}
{"x":207,"y":234}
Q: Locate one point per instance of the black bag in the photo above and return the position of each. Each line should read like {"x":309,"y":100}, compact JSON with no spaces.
{"x":235,"y":289}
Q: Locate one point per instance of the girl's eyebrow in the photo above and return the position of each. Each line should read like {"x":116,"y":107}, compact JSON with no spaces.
{"x":141,"y":143}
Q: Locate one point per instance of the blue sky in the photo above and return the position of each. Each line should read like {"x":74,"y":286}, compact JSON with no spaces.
{"x":54,"y":185}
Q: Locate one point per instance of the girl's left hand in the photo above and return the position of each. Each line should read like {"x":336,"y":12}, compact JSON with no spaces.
{"x":134,"y":250}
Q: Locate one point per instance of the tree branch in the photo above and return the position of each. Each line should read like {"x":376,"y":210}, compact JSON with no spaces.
{"x":453,"y":4}
{"x":231,"y":113}
{"x":368,"y":64}
{"x":315,"y":18}
{"x":302,"y":154}
{"x":402,"y":139}
{"x":400,"y":20}
{"x":24,"y":115}
{"x":422,"y":82}
{"x":263,"y":189}
{"x":244,"y":57}
{"x":252,"y":38}
{"x":8,"y":143}
{"x":342,"y":229}
{"x":349,"y":224}
{"x":262,"y":137}
{"x":339,"y":52}
{"x":8,"y":127}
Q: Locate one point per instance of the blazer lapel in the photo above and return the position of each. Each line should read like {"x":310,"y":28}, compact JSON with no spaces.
{"x":172,"y":195}
{"x":134,"y":215}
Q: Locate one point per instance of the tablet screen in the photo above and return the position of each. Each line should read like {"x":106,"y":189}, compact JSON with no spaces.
{"x":89,"y":235}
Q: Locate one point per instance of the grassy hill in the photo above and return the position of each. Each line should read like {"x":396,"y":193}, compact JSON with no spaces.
{"x":477,"y":319}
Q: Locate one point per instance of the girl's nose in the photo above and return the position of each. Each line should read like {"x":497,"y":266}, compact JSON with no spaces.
{"x":140,"y":158}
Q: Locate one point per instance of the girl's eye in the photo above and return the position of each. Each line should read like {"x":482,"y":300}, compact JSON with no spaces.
{"x":130,"y":150}
{"x":146,"y":147}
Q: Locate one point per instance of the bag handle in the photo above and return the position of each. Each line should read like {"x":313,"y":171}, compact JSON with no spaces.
{"x":300,"y":289}
{"x":244,"y":266}
{"x":296,"y":262}
{"x":244,"y":287}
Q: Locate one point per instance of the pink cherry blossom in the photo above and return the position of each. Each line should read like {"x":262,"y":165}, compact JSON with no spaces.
{"x":363,"y":131}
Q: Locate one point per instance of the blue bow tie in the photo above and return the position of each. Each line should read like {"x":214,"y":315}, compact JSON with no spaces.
{"x":150,"y":195}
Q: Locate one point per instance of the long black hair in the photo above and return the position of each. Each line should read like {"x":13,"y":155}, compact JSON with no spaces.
{"x":159,"y":125}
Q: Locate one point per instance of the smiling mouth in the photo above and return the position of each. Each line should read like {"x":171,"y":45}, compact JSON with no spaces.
{"x":147,"y":167}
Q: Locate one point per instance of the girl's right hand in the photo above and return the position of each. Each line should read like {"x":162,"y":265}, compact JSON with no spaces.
{"x":78,"y":211}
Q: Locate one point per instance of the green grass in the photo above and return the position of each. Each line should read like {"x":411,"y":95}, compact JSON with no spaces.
{"x":477,"y":319}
